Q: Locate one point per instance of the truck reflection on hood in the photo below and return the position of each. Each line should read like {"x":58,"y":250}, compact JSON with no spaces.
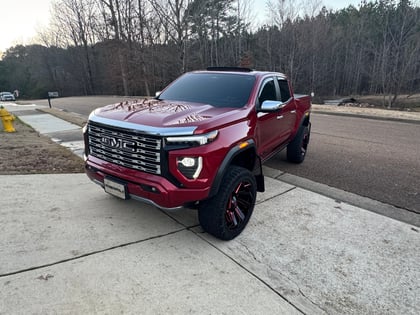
{"x":153,"y":106}
{"x":150,"y":105}
{"x":193,"y":118}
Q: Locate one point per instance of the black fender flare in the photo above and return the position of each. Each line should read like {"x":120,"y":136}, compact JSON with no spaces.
{"x":304,"y":120}
{"x":230,"y":157}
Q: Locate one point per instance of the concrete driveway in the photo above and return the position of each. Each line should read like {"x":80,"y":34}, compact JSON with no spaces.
{"x":67,"y":247}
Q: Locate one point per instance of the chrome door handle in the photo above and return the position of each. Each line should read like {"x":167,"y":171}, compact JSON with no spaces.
{"x":280,"y":117}
{"x":293,"y":112}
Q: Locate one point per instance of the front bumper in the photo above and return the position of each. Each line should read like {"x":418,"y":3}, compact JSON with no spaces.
{"x":148,"y":188}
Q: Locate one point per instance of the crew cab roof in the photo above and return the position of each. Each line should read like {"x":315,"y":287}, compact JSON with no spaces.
{"x":241,"y":70}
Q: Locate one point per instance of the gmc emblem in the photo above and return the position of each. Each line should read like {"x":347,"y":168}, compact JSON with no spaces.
{"x":117,"y":143}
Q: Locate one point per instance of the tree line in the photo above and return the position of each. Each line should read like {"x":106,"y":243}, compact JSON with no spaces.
{"x":136,"y":47}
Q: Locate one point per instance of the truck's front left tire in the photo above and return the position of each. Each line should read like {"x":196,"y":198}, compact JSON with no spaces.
{"x":227,"y":213}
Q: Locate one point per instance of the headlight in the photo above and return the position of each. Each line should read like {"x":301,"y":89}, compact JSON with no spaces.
{"x":191,"y":141}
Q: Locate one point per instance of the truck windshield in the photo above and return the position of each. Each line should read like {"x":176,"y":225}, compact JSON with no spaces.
{"x":216,"y":89}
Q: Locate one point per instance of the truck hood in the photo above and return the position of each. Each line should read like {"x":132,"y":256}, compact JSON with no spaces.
{"x":161,"y":113}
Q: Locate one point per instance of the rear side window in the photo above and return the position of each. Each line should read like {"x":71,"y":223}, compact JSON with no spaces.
{"x":216,"y":89}
{"x":284,"y":89}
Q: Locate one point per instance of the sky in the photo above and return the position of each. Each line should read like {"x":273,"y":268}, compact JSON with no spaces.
{"x":21,"y":19}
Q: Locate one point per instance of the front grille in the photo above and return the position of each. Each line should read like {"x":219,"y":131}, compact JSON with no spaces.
{"x":127,"y":148}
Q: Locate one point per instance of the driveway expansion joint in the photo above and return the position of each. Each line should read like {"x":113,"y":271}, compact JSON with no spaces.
{"x":90,"y":254}
{"x":298,"y":289}
{"x":254,"y":275}
{"x":278,"y":195}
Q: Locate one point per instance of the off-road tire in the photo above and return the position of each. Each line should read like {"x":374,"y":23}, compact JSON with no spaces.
{"x":227,"y":213}
{"x":296,"y":150}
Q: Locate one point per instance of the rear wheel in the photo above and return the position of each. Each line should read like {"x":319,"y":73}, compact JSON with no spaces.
{"x":226,"y":214}
{"x":296,"y":150}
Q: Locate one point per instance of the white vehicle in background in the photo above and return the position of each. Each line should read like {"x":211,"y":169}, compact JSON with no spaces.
{"x":7,"y":96}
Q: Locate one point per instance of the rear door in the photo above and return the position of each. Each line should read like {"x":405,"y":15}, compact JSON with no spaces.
{"x":268,"y":128}
{"x":287,"y":115}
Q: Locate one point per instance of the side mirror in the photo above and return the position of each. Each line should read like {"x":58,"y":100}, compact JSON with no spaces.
{"x":271,"y":106}
{"x":157,"y":93}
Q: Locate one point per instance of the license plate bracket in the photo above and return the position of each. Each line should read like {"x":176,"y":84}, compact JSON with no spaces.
{"x":115,"y":188}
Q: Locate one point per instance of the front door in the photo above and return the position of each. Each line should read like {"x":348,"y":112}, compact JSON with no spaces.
{"x":268,"y":128}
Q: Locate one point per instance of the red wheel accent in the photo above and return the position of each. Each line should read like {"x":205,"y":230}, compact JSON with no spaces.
{"x":239,"y":204}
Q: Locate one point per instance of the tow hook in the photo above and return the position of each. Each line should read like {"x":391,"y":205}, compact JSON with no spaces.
{"x":7,"y":120}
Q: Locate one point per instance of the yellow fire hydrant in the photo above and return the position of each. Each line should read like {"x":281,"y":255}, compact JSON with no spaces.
{"x":7,"y":120}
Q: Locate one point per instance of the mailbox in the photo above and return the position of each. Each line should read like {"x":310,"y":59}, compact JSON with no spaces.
{"x":51,"y":95}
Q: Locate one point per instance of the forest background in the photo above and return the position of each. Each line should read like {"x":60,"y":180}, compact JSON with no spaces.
{"x":136,"y":47}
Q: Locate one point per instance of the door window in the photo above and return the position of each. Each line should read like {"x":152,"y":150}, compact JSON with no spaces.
{"x":284,"y":89}
{"x":268,"y":92}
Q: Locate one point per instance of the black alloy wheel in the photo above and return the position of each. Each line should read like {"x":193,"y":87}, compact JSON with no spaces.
{"x":227,"y":213}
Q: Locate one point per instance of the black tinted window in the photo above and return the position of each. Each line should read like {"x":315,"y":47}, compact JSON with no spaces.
{"x":216,"y":89}
{"x":268,"y":92}
{"x":284,"y":90}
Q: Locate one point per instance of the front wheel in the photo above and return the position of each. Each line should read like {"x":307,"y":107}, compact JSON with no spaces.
{"x":227,"y":213}
{"x":296,"y":150}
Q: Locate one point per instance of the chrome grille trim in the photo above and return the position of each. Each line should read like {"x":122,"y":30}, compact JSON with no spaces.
{"x":127,"y":148}
{"x":146,"y":130}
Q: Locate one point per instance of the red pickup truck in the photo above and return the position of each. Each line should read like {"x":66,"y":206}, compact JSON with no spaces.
{"x":200,"y":143}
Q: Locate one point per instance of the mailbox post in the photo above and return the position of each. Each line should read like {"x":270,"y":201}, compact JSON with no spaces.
{"x":51,"y":95}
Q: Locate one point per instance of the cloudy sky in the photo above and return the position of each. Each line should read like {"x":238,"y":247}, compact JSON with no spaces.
{"x":20,"y":19}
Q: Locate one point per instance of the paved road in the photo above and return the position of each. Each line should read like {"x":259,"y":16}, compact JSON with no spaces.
{"x":373,"y":158}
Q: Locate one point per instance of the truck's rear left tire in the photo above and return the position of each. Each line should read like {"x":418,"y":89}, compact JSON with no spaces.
{"x":296,"y":150}
{"x":227,"y":213}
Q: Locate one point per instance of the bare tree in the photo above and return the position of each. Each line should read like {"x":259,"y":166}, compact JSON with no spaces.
{"x":73,"y":22}
{"x":112,"y":15}
{"x":244,"y":19}
{"x":172,"y":15}
{"x":284,"y":10}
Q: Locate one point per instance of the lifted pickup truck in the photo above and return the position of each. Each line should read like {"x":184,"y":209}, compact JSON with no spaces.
{"x":200,"y":143}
